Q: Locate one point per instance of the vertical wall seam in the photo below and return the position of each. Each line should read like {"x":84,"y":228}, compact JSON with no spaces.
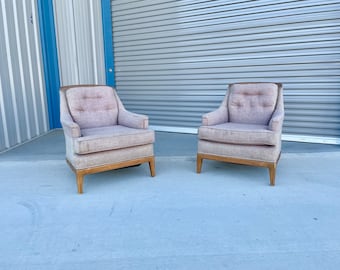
{"x":10,"y":68}
{"x":30,"y":70}
{"x":56,"y":18}
{"x":21,"y":71}
{"x":40,"y":80}
{"x":3,"y":115}
{"x":94,"y":54}
{"x":75,"y":42}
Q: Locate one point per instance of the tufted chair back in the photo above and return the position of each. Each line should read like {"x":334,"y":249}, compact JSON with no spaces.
{"x":252,"y":103}
{"x":92,"y":107}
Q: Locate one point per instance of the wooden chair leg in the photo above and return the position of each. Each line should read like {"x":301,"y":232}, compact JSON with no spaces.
{"x":199,"y":163}
{"x":152,"y":166}
{"x":80,"y":181}
{"x":272,"y":172}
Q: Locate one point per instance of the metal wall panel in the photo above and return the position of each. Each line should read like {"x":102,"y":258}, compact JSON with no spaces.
{"x":80,"y":41}
{"x":23,"y":110}
{"x":174,"y":59}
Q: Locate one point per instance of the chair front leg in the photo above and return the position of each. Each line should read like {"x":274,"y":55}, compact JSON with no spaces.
{"x":152,"y":166}
{"x":272,"y":173}
{"x":80,"y":181}
{"x":199,"y":163}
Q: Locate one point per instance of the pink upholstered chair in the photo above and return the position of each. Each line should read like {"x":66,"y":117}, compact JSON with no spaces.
{"x":100,"y":134}
{"x":246,"y":128}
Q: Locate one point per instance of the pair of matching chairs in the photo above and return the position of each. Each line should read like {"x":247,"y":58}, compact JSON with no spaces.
{"x":100,"y":134}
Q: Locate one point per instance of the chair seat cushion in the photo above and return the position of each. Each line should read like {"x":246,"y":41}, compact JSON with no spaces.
{"x":237,"y":133}
{"x":112,"y":137}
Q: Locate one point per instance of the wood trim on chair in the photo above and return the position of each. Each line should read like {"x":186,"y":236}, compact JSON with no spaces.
{"x":270,"y":165}
{"x":66,"y":87}
{"x":82,"y":172}
{"x":279,"y":85}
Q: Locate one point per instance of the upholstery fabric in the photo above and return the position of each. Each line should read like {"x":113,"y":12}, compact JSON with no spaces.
{"x":93,"y":106}
{"x":110,"y":138}
{"x":236,"y":133}
{"x":70,"y":128}
{"x":99,"y":130}
{"x":133,"y":120}
{"x":216,"y":117}
{"x":252,"y":103}
{"x":248,"y":152}
{"x":247,"y":125}
{"x":91,"y":160}
{"x":276,"y":121}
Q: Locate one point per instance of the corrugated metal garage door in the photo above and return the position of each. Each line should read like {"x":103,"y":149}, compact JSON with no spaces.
{"x":23,"y":105}
{"x":174,"y":59}
{"x":80,"y":43}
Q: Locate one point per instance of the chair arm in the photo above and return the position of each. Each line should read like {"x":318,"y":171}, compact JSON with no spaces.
{"x":132,"y":120}
{"x":276,"y":122}
{"x":71,"y":128}
{"x":216,"y":117}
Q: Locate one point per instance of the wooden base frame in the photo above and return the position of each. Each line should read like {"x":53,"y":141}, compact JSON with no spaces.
{"x":270,"y":165}
{"x":82,"y":172}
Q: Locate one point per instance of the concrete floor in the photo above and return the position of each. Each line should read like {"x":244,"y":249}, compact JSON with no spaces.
{"x":227,"y":217}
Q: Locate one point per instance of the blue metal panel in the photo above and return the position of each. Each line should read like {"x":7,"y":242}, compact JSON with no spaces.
{"x":108,"y":42}
{"x":50,"y":60}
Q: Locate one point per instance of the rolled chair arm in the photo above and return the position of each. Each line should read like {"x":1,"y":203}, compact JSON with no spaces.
{"x":216,"y":117}
{"x":276,"y":122}
{"x":71,"y":128}
{"x":133,"y":120}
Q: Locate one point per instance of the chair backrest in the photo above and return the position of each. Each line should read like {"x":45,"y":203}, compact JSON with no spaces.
{"x":252,"y":103}
{"x":92,"y":106}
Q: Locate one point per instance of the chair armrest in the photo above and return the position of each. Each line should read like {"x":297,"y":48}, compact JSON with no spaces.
{"x":276,"y":122}
{"x":216,"y":117}
{"x":71,"y":128}
{"x":133,"y":120}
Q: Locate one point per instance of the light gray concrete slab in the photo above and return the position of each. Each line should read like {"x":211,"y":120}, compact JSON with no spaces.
{"x":227,"y":217}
